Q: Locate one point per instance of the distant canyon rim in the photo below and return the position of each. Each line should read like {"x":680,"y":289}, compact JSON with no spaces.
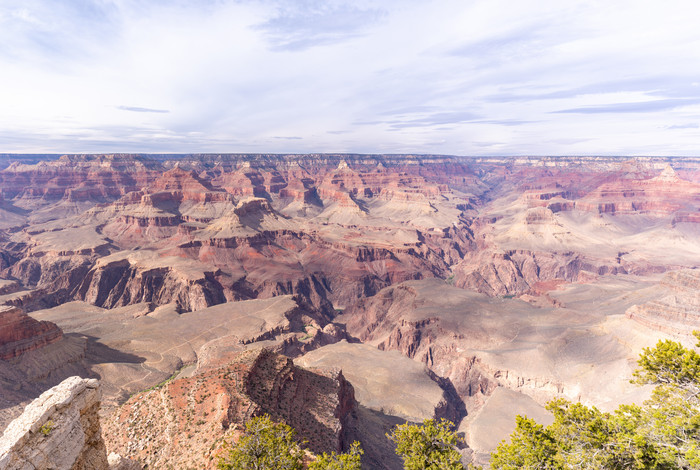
{"x":386,"y":288}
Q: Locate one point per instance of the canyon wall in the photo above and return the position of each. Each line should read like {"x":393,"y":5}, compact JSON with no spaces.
{"x":19,"y":333}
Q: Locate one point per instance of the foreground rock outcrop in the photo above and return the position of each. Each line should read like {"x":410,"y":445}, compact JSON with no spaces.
{"x":59,"y":430}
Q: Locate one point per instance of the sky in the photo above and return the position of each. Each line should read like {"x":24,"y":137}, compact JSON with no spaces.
{"x":459,"y":77}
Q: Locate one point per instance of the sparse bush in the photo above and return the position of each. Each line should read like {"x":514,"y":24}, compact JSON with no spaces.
{"x":47,"y":428}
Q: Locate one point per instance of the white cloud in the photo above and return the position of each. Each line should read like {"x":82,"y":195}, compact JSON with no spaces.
{"x":481,"y":77}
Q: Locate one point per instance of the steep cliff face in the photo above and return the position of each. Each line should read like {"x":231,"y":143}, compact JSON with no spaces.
{"x":70,"y":185}
{"x":389,"y":382}
{"x":126,"y":281}
{"x":398,"y":319}
{"x":337,"y":227}
{"x":185,"y":422}
{"x":59,"y":430}
{"x":677,"y":308}
{"x":19,"y":333}
{"x":515,"y":272}
{"x":658,"y":196}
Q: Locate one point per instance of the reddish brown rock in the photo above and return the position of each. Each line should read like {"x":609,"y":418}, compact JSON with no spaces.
{"x":20,"y":333}
{"x":94,"y":178}
{"x":659,"y":196}
{"x":186,"y":422}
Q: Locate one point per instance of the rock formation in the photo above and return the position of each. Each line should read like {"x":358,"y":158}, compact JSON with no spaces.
{"x":186,"y":422}
{"x":677,"y":306}
{"x":489,"y":273}
{"x":19,"y":333}
{"x":58,"y":430}
{"x":388,"y":382}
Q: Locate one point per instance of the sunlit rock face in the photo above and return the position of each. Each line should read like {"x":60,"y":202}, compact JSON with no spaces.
{"x":59,"y":430}
{"x":187,"y":421}
{"x":676,"y":308}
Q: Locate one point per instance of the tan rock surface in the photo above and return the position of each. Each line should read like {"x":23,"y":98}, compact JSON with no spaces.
{"x":676,"y":308}
{"x":578,"y":241}
{"x":583,"y":350}
{"x":385,"y":381}
{"x":60,"y":430}
{"x":486,"y":428}
{"x":132,"y":350}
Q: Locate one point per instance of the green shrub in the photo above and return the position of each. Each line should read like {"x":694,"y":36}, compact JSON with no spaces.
{"x":428,"y":446}
{"x":347,"y":461}
{"x":266,"y":445}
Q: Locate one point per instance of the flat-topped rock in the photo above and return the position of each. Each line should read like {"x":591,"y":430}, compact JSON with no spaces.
{"x":384,"y":381}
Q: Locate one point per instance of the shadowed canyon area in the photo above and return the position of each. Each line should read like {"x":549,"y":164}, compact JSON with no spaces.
{"x":342,"y":294}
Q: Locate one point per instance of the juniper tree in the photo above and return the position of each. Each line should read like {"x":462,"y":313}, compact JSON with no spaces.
{"x":266,"y":445}
{"x":428,"y":446}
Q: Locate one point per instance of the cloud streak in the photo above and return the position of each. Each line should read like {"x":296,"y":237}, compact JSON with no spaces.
{"x":480,"y":77}
{"x":638,"y":107}
{"x":301,"y":25}
{"x":137,"y":109}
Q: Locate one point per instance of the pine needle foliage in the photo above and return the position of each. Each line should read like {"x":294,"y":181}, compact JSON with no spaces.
{"x":349,"y":460}
{"x":266,"y":445}
{"x":429,"y":446}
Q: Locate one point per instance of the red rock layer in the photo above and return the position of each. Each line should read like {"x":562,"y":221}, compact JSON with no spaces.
{"x":78,"y":178}
{"x":20,"y":333}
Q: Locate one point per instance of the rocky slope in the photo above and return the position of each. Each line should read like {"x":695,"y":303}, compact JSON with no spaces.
{"x":137,"y":346}
{"x":268,"y":225}
{"x":389,"y":382}
{"x":187,"y":422}
{"x":34,"y":355}
{"x":479,"y":344}
{"x":505,"y":357}
{"x":489,"y":273}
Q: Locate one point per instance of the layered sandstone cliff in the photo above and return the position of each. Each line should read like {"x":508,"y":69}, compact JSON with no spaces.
{"x":19,"y":333}
{"x":676,"y":309}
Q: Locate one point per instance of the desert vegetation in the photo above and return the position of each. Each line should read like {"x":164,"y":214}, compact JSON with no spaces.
{"x":427,"y":446}
{"x":270,"y":445}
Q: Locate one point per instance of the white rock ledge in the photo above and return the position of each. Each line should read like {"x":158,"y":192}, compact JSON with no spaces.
{"x":59,"y":430}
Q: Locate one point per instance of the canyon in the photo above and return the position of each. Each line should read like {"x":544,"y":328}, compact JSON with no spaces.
{"x":383,"y":288}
